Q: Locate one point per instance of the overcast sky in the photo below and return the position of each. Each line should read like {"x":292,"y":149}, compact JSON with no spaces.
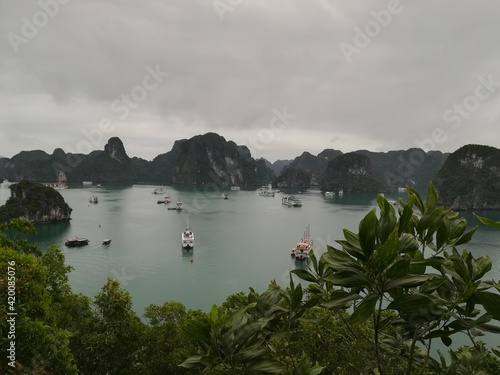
{"x":280,"y":76}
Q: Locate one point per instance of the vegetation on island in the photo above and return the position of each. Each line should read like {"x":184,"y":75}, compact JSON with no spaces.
{"x":374,"y":304}
{"x":351,"y":172}
{"x":34,"y":202}
{"x":470,"y":179}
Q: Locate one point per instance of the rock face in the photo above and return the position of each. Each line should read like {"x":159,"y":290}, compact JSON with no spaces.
{"x":305,"y":170}
{"x":207,"y":159}
{"x":470,"y":179}
{"x":35,"y":202}
{"x":351,"y":172}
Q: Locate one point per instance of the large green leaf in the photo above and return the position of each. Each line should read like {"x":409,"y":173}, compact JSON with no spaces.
{"x":431,"y":200}
{"x":407,"y":281}
{"x":340,"y":261}
{"x":442,"y":235}
{"x":195,"y":362}
{"x":489,"y":222}
{"x":349,"y":280}
{"x":412,"y":303}
{"x":433,"y":284}
{"x":466,"y":237}
{"x":252,"y":353}
{"x":365,"y":309}
{"x":267,"y":366}
{"x":368,"y":233}
{"x":351,"y":237}
{"x":458,"y":227}
{"x":197,"y":330}
{"x":406,"y":215}
{"x":341,"y":299}
{"x":386,"y":254}
{"x":305,"y":275}
{"x":490,"y":302}
{"x":400,"y":268}
{"x":483,"y":265}
{"x":353,"y":251}
{"x":387,"y":220}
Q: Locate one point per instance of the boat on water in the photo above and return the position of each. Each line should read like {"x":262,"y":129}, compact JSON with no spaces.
{"x":165,"y":200}
{"x":187,"y":238}
{"x":93,"y":199}
{"x":329,"y":194}
{"x":178,"y":206}
{"x":234,"y":187}
{"x":291,"y":201}
{"x":304,"y":246}
{"x":76,"y":242}
{"x":106,"y":241}
{"x":87,"y":183}
{"x":159,"y":190}
{"x":56,"y":185}
{"x":266,"y":193}
{"x":224,"y":196}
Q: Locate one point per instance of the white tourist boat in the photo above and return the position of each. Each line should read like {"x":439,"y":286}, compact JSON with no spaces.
{"x":187,"y":238}
{"x":291,"y":201}
{"x":329,"y":194}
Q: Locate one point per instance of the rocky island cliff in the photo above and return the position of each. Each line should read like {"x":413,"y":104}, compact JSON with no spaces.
{"x":470,"y":179}
{"x":35,"y":202}
{"x":351,"y":172}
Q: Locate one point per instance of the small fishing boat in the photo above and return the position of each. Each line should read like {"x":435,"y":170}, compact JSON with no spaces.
{"x":224,"y":196}
{"x":106,"y":242}
{"x":93,"y":199}
{"x":178,"y":206}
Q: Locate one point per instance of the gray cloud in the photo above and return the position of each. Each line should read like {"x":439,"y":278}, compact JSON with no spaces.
{"x":228,"y":75}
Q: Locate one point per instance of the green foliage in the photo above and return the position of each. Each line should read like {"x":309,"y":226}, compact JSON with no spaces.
{"x":42,"y":346}
{"x":385,"y":267}
{"x":294,"y":177}
{"x":165,"y":345}
{"x":466,"y":180}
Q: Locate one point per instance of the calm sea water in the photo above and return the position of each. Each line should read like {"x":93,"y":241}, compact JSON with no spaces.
{"x":240,"y":242}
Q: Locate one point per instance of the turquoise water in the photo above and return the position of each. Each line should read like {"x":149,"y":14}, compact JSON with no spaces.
{"x":240,"y":242}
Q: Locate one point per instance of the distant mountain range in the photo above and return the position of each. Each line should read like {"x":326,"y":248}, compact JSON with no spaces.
{"x":211,"y":159}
